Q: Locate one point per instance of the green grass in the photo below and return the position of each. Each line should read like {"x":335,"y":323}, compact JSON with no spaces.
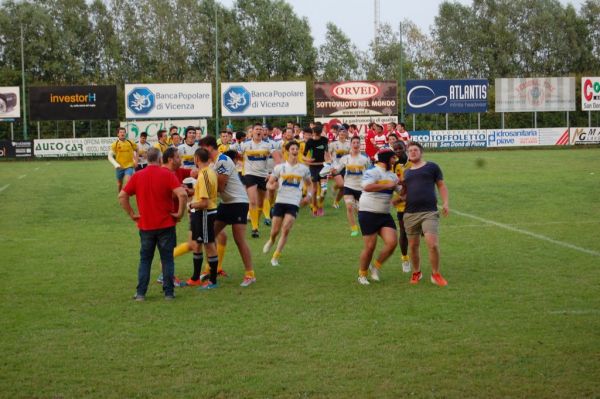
{"x":519,"y":318}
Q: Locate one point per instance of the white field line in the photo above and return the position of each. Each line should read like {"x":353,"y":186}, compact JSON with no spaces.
{"x":4,"y":188}
{"x":528,"y":233}
{"x":460,"y":226}
{"x":22,"y":177}
{"x":575,"y":311}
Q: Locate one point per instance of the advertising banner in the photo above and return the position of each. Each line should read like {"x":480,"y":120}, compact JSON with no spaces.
{"x":446,"y":96}
{"x":535,"y":94}
{"x":16,"y":149}
{"x":362,"y":123}
{"x":67,"y":103}
{"x":554,"y":136}
{"x":450,"y":138}
{"x":134,"y":128}
{"x":356,"y":98}
{"x":513,"y":137}
{"x":83,"y":147}
{"x":10,"y":103}
{"x":590,"y":94}
{"x":263,"y":99}
{"x":168,"y":100}
{"x":585,"y":135}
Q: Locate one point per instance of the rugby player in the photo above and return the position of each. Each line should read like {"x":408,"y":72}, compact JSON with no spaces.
{"x":337,"y":150}
{"x":187,"y":150}
{"x":315,"y":154}
{"x":162,"y":144}
{"x":400,"y":203}
{"x":354,"y":165}
{"x":378,"y":184}
{"x":255,"y":153}
{"x":123,"y":156}
{"x":203,"y":210}
{"x":233,"y":207}
{"x":142,"y":146}
{"x":288,"y":179}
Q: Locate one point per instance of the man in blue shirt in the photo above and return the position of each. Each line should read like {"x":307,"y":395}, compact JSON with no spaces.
{"x":421,"y":215}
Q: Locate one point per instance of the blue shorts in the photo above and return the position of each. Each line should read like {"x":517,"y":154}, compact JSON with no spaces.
{"x":371,"y":222}
{"x":122,"y":172}
{"x":279,"y":210}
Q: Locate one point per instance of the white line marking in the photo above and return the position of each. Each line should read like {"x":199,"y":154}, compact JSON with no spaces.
{"x":22,"y":177}
{"x":460,"y":226}
{"x":4,"y":188}
{"x":529,"y":233}
{"x":575,"y":312}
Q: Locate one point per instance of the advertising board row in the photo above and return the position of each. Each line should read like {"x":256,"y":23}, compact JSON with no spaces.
{"x":491,"y":138}
{"x":332,"y":99}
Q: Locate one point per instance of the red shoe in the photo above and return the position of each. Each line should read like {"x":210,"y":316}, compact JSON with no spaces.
{"x":222,"y":273}
{"x":416,"y":276}
{"x":194,"y":283}
{"x":438,"y":280}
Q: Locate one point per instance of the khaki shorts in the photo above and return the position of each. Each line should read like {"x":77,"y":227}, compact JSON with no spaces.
{"x":421,"y":222}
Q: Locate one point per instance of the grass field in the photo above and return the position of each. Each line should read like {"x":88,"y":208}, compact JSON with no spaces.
{"x":519,"y":318}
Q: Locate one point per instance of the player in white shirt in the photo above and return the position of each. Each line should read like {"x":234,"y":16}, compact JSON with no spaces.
{"x":256,"y":153}
{"x":142,"y":147}
{"x":338,"y":149}
{"x":354,"y":166}
{"x":288,"y":179}
{"x":379,"y":184}
{"x":188,"y":149}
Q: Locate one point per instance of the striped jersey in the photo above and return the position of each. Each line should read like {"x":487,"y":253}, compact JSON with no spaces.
{"x":206,"y":187}
{"x":377,"y":201}
{"x":234,"y":191}
{"x":255,"y":157}
{"x":291,"y":181}
{"x":186,"y":152}
{"x":355,"y":168}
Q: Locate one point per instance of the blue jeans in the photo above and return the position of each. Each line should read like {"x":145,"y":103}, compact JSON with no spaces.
{"x":165,"y":240}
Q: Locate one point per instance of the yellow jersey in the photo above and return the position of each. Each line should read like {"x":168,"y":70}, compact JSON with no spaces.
{"x":206,"y":187}
{"x":124,"y":150}
{"x":161,"y":147}
{"x":399,"y":170}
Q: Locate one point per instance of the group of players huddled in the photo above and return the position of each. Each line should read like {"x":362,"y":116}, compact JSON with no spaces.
{"x":275,"y":171}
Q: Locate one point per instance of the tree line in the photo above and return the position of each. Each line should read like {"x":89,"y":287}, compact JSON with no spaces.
{"x":170,"y":41}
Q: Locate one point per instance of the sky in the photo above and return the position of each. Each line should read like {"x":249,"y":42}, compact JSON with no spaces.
{"x":355,"y":17}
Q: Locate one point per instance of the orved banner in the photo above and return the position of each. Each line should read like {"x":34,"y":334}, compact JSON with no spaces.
{"x":72,"y":103}
{"x":356,"y":98}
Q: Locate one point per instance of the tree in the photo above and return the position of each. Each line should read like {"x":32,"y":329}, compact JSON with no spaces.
{"x":338,"y":56}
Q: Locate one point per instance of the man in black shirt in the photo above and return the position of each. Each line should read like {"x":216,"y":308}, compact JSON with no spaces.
{"x":421,"y":215}
{"x":315,"y":154}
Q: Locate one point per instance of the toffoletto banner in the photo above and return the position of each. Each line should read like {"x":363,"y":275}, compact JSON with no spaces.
{"x":263,"y":98}
{"x":535,"y":94}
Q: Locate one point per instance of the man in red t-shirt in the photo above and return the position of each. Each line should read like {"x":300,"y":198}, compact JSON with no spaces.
{"x":154,"y":188}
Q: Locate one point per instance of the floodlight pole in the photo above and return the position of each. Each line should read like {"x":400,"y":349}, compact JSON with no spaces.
{"x":23,"y":85}
{"x":401,"y":76}
{"x":217,"y":127}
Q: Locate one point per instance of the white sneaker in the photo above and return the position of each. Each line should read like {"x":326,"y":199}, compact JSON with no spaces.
{"x":362,"y":280}
{"x":406,"y":266}
{"x":274,"y":262}
{"x":374,"y":273}
{"x":247,"y":281}
{"x":267,"y":246}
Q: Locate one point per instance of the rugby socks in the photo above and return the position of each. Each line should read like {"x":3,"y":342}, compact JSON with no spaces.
{"x":181,"y":249}
{"x":363,"y":273}
{"x":213,"y":262}
{"x":266,"y":209}
{"x":377,"y":264}
{"x":405,"y":258}
{"x":221,"y":255}
{"x":254,"y":216}
{"x":276,"y":255}
{"x":249,"y":274}
{"x":354,"y":228}
{"x":198,"y":259}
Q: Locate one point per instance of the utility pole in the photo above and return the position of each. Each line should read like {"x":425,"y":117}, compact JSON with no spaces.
{"x":23,"y":85}
{"x":217,"y":88}
{"x":401,"y":76}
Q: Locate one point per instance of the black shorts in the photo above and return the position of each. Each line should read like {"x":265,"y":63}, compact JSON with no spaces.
{"x":242,"y":178}
{"x":371,"y":222}
{"x":202,"y":225}
{"x":260,"y":182}
{"x":236,"y":213}
{"x":314,"y":172}
{"x":140,"y":167}
{"x":280,"y":210}
{"x":355,"y":193}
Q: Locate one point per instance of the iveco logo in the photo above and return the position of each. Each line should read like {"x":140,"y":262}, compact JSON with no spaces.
{"x":423,"y":96}
{"x":355,"y":90}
